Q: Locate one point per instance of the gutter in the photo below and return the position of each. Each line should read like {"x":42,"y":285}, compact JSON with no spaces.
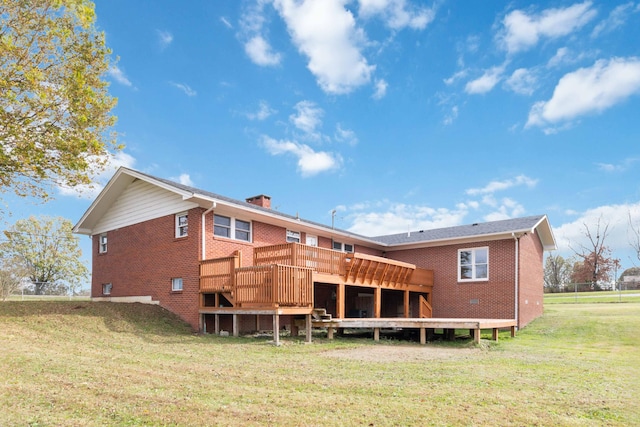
{"x":516,"y":238}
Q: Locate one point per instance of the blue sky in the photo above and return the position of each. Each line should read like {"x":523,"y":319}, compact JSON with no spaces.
{"x":397,"y":114}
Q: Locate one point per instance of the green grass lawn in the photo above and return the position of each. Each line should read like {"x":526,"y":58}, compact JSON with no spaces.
{"x":89,"y":364}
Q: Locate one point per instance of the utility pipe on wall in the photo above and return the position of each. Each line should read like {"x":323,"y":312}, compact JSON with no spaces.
{"x":204,"y":230}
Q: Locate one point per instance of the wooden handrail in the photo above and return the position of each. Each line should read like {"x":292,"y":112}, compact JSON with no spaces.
{"x":426,"y":311}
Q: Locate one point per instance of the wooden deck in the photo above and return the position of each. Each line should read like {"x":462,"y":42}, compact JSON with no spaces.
{"x":473,"y":325}
{"x":283,"y":275}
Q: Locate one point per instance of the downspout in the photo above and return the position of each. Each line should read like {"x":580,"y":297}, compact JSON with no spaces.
{"x":204,"y":230}
{"x":517,"y":290}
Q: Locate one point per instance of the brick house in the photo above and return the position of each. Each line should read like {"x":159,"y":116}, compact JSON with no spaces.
{"x":221,"y":263}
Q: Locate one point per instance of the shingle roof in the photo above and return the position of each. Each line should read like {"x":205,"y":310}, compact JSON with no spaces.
{"x":463,"y":231}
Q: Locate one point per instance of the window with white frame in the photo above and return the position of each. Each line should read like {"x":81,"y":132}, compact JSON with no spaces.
{"x":176,"y":284}
{"x":473,"y":264}
{"x":343,"y":247}
{"x":182,"y":224}
{"x":106,"y":288}
{"x":293,"y":236}
{"x":231,"y":228}
{"x":102,"y":243}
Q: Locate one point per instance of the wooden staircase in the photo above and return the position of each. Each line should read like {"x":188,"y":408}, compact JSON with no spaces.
{"x":320,"y":314}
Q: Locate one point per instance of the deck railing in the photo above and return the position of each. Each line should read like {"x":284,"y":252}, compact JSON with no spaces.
{"x":274,"y":285}
{"x":425,"y":308}
{"x":217,"y":275}
{"x":319,"y":259}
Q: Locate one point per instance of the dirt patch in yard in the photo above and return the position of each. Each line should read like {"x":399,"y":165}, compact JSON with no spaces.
{"x":384,"y":353}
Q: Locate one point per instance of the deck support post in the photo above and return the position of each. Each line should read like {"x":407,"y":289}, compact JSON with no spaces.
{"x":406,"y":304}
{"x":513,"y":332}
{"x":423,"y":336}
{"x":376,"y":334}
{"x":476,"y":335}
{"x":216,"y":324}
{"x":330,"y":332}
{"x":308,"y":327}
{"x":494,"y":334}
{"x":377,"y":302}
{"x":340,"y":298}
{"x":276,"y":329}
{"x":235,"y":325}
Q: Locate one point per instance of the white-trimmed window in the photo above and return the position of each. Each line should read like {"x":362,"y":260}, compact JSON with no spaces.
{"x":343,"y":247}
{"x":176,"y":284}
{"x":102,"y":243}
{"x":182,"y":224}
{"x":293,"y":236}
{"x":473,"y":264}
{"x":106,"y":288}
{"x":231,"y":228}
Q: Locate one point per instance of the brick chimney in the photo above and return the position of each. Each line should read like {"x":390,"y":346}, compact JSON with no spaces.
{"x":261,"y":200}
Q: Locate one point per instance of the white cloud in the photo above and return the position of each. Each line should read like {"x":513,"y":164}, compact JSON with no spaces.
{"x":310,"y":162}
{"x":486,"y":82}
{"x":507,"y":208}
{"x":588,"y":91}
{"x":119,"y":76}
{"x":165,"y":38}
{"x":381,"y":89}
{"x":345,"y":135}
{"x":326,"y":32}
{"x":183,"y":179}
{"x":452,"y":116}
{"x":455,"y":77}
{"x":226,"y":22}
{"x":261,"y":53}
{"x":617,"y":18}
{"x":559,"y":58}
{"x":397,"y":14}
{"x":184,"y":88}
{"x":522,"y":81}
{"x":264,"y":112}
{"x":522,"y":31}
{"x":100,"y":175}
{"x":308,"y":116}
{"x":495,"y":186}
{"x":620,"y":167}
{"x":375,"y":219}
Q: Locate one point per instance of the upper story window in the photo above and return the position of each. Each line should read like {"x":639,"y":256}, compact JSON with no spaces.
{"x":102,"y":244}
{"x":293,"y":236}
{"x":182,"y":224}
{"x":344,"y":247}
{"x":231,"y":228}
{"x":473,"y":264}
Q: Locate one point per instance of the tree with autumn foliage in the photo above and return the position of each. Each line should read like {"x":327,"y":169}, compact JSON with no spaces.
{"x":55,"y":111}
{"x":595,"y":262}
{"x":557,"y":273}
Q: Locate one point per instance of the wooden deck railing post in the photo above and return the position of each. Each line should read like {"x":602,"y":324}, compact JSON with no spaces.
{"x":275,"y":284}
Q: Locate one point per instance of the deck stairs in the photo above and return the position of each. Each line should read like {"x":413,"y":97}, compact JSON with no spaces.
{"x":320,"y":314}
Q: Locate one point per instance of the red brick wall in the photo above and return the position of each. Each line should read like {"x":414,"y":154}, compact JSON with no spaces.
{"x":531,"y":279}
{"x":491,"y":299}
{"x":142,"y":259}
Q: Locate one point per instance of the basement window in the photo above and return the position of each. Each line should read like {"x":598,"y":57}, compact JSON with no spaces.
{"x":473,"y":264}
{"x":106,"y":288}
{"x":176,"y":284}
{"x":182,"y":224}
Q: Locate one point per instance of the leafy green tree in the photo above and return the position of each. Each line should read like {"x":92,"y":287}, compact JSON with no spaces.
{"x":55,"y":111}
{"x":557,"y":273}
{"x":12,"y":276}
{"x":48,"y":252}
